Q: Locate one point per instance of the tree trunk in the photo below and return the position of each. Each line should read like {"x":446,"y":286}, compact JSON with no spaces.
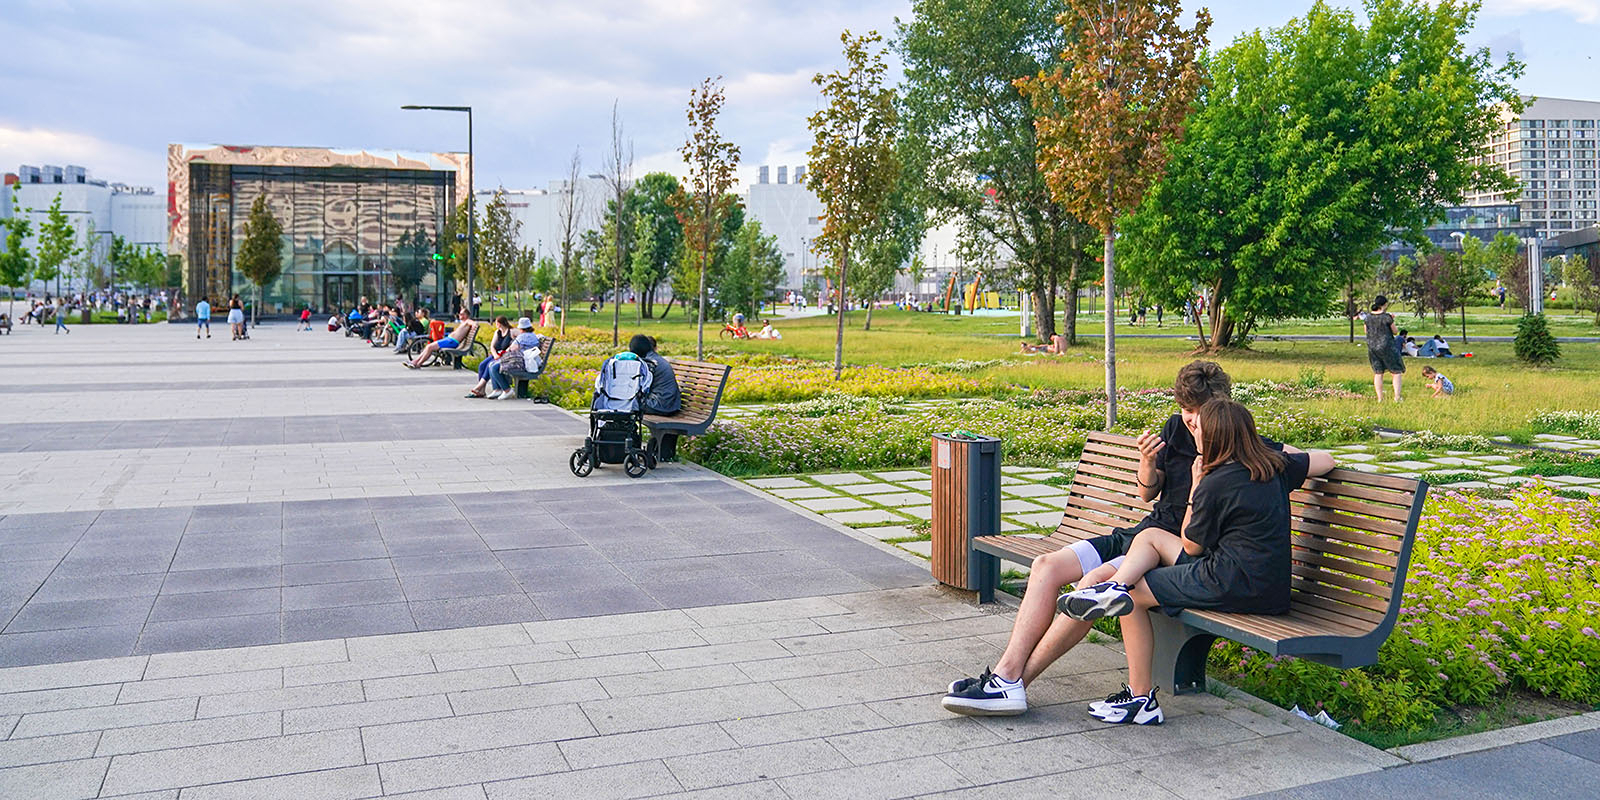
{"x":1463,"y":322}
{"x":1043,"y":315}
{"x":1047,"y":330}
{"x":1070,"y":314}
{"x":838,"y":340}
{"x":668,"y":309}
{"x":869,"y":316}
{"x":1111,"y":326}
{"x":564,"y":267}
{"x":700,"y":323}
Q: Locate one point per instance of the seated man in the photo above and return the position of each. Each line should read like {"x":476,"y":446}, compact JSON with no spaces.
{"x":1039,"y":636}
{"x":663,"y":399}
{"x":739,"y":330}
{"x":1056,"y":346}
{"x":465,"y":329}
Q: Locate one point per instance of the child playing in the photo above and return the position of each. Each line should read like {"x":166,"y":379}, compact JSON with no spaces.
{"x":1442,"y":387}
{"x":1233,"y":553}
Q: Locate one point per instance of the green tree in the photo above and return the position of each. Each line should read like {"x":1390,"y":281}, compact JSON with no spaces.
{"x":854,"y":164}
{"x":703,"y":204}
{"x":452,"y":244}
{"x":971,"y":136}
{"x":619,"y":219}
{"x":1108,"y":114}
{"x":120,"y":258}
{"x":571,"y":210}
{"x":260,"y":258}
{"x":410,"y":262}
{"x":545,"y":276}
{"x":889,"y":247}
{"x":148,"y":267}
{"x":498,"y":245}
{"x":58,"y":243}
{"x":658,"y":236}
{"x":16,"y":263}
{"x":1581,"y":276}
{"x":751,"y":271}
{"x":686,"y":269}
{"x":1533,"y":343}
{"x":1313,"y":142}
{"x":520,"y":277}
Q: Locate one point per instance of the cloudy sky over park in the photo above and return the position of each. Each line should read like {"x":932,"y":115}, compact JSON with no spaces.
{"x":107,"y":84}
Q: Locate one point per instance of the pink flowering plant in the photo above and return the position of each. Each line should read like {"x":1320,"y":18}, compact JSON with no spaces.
{"x":1498,"y":599}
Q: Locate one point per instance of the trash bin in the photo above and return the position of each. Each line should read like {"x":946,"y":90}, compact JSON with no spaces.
{"x":966,"y":502}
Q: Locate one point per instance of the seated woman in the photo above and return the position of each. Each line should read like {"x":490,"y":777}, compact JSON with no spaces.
{"x":465,"y":329}
{"x":1442,"y":346}
{"x":497,"y":347}
{"x":1056,"y":346}
{"x":521,"y":361}
{"x":767,"y":331}
{"x":1233,"y":553}
{"x":416,"y":325}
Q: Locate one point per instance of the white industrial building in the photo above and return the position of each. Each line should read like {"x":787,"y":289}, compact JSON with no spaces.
{"x":96,"y":209}
{"x":540,"y":210}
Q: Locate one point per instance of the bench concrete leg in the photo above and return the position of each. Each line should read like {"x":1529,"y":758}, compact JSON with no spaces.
{"x":988,"y":568}
{"x":522,"y":388}
{"x":1180,"y":654}
{"x":666,"y":446}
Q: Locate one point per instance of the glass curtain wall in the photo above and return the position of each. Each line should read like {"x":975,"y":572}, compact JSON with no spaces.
{"x":348,"y":233}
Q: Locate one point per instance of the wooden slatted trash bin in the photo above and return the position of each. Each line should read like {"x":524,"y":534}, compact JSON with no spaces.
{"x":966,"y":503}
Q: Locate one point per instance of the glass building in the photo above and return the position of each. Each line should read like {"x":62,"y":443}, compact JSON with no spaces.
{"x":355,"y":223}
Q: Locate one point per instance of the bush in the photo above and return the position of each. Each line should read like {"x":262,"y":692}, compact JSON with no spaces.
{"x":1498,"y":599}
{"x":1534,"y":344}
{"x":1576,"y":423}
{"x":1428,"y":440}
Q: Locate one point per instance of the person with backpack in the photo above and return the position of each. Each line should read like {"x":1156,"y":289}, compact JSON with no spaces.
{"x":623,"y":381}
{"x":664,"y":398}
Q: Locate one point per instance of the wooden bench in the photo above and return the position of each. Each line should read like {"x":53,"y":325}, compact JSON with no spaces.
{"x":700,"y":384}
{"x":469,"y":347}
{"x":546,"y":344}
{"x":1351,"y":540}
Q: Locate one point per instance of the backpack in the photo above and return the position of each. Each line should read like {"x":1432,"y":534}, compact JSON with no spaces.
{"x":622,"y":381}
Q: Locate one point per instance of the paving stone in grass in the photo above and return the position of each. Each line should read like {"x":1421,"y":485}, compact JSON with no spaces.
{"x":1012,"y":470}
{"x":869,"y":488}
{"x":924,"y":549}
{"x":1455,"y":461}
{"x":865,"y":517}
{"x":1006,"y":526}
{"x":1356,"y":456}
{"x":1012,"y":480}
{"x":802,"y":494}
{"x":925,"y":485}
{"x":1505,"y":468}
{"x":1036,"y":490}
{"x":920,"y":512}
{"x":887,"y":532}
{"x":1360,"y":466}
{"x":839,"y":478}
{"x":1569,"y":479}
{"x":1511,"y":480}
{"x":777,"y":483}
{"x":1409,"y":465}
{"x":900,"y":475}
{"x":900,"y":499}
{"x":1012,"y":506}
{"x":1495,"y":457}
{"x":830,"y":503}
{"x":1043,"y":519}
{"x":1564,"y":446}
{"x":1554,"y":437}
{"x":1467,"y":485}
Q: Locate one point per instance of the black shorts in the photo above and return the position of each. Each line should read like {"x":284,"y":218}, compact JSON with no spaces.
{"x":1186,"y":585}
{"x":1117,"y":542}
{"x":1385,"y":361}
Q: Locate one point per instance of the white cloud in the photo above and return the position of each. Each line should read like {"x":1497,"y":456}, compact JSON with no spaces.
{"x":105,"y":160}
{"x":1585,"y":11}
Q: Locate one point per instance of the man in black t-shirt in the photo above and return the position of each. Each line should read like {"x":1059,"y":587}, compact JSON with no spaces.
{"x":1039,"y":636}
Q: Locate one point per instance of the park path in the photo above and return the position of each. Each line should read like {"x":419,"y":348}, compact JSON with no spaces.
{"x":287,"y":567}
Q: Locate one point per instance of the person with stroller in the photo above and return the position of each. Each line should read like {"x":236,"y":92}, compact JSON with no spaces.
{"x":663,"y":398}
{"x":616,"y":418}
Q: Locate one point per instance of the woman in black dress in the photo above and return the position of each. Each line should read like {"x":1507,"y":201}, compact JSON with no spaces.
{"x":1232,"y":554}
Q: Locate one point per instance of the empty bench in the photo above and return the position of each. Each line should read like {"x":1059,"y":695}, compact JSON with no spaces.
{"x":700,"y":385}
{"x":1351,"y":539}
{"x":546,"y":344}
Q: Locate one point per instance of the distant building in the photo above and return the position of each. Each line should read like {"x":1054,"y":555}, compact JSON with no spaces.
{"x":1551,"y":149}
{"x":793,"y":214}
{"x":348,"y":216}
{"x":1480,"y":222}
{"x":96,"y":209}
{"x":540,"y":210}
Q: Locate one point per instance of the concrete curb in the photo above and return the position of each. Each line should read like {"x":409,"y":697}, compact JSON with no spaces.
{"x":1488,"y":740}
{"x":1377,"y":758}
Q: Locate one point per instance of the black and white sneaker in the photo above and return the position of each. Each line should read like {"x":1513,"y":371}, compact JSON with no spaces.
{"x":1107,"y":599}
{"x":1113,"y":699}
{"x":1140,"y":709}
{"x":961,"y":684}
{"x":991,"y":696}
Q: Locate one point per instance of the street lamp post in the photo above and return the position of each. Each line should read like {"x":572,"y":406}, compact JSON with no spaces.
{"x":1535,"y":276}
{"x":472,"y":214}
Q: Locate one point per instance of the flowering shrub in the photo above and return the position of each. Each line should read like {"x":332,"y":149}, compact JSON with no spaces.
{"x":767,"y":384}
{"x":1428,"y":440}
{"x":1576,"y":423}
{"x":1497,"y":599}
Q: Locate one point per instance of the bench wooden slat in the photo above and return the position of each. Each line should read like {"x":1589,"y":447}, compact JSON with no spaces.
{"x":1382,"y":575}
{"x":1328,"y":580}
{"x":1323,"y":590}
{"x":1081,"y":529}
{"x":1379,"y":558}
{"x":1344,"y":609}
{"x":1106,"y":505}
{"x":1393,"y":513}
{"x":1376,"y":541}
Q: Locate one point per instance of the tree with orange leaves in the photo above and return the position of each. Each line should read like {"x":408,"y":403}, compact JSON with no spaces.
{"x":703,"y":202}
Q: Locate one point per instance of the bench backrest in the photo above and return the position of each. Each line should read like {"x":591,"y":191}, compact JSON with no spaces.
{"x":546,"y":344}
{"x":1351,"y":531}
{"x":700,"y":383}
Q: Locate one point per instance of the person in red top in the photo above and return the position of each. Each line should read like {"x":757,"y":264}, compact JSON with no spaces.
{"x":305,"y":319}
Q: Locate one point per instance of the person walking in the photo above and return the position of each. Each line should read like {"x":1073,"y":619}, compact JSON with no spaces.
{"x":1381,"y":351}
{"x":202,"y":317}
{"x":61,"y":316}
{"x":236,"y":318}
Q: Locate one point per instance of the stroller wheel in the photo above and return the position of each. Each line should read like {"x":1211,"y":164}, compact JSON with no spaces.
{"x":581,"y":463}
{"x":634,"y":465}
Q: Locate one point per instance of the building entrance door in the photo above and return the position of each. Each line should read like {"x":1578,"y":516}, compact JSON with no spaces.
{"x":339,"y":291}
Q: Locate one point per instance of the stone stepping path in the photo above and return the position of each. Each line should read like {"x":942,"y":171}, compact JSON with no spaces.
{"x":891,"y":504}
{"x":1486,"y":470}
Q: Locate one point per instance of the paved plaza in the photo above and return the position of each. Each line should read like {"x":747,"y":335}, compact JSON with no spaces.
{"x":288,"y":567}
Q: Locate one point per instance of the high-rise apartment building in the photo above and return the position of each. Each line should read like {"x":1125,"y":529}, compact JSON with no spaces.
{"x":1553,"y":150}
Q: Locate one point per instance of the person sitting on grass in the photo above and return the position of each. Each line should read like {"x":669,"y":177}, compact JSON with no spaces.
{"x":1441,"y":386}
{"x":1442,"y":347}
{"x":465,"y":328}
{"x":1056,"y":346}
{"x":1232,"y":554}
{"x":739,"y":330}
{"x":1039,"y":636}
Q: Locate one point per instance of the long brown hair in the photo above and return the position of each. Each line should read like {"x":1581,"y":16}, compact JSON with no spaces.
{"x":1228,"y":433}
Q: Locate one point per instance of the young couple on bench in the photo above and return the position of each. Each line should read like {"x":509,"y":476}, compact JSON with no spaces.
{"x":1217,"y":538}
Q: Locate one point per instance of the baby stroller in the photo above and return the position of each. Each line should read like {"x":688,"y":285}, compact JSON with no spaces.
{"x":616,"y":419}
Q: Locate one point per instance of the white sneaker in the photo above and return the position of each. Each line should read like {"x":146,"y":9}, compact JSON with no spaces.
{"x":1113,"y":699}
{"x":509,"y":394}
{"x":1137,"y":710}
{"x":991,"y":696}
{"x":493,"y":395}
{"x":1105,"y":599}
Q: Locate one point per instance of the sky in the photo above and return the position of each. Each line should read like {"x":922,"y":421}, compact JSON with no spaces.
{"x":107,"y":84}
